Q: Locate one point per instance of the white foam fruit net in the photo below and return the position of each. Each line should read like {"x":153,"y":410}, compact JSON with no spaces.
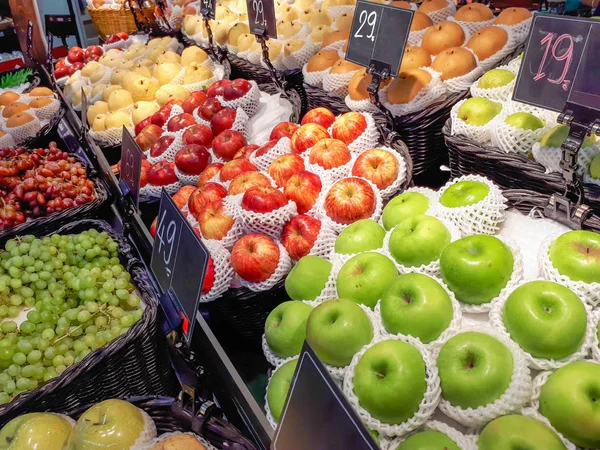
{"x":464,"y":82}
{"x":595,"y":341}
{"x":368,"y":139}
{"x":497,"y":94}
{"x":442,"y":14}
{"x":550,"y":157}
{"x":337,"y":84}
{"x":283,"y":147}
{"x":512,"y":42}
{"x":415,"y":37}
{"x":511,"y":139}
{"x":472,"y":27}
{"x":359,"y":105}
{"x":24,"y":132}
{"x":249,"y":102}
{"x":464,"y":442}
{"x":282,"y":269}
{"x":223,"y":270}
{"x":314,"y":78}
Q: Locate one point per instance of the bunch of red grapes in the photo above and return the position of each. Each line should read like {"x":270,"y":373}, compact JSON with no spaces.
{"x":36,"y":183}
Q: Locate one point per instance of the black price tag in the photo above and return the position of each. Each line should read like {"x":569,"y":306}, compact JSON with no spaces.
{"x":207,"y":8}
{"x":261,"y":18}
{"x":561,"y":62}
{"x":131,"y":167}
{"x":316,"y":414}
{"x":179,"y":261}
{"x":378,"y":36}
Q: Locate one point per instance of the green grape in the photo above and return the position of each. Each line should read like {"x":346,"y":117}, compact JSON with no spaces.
{"x":84,"y":353}
{"x":4,"y":398}
{"x":28,"y":371}
{"x":61,"y":368}
{"x":101,"y":322}
{"x":34,"y":317}
{"x":14,"y":370}
{"x":62,"y":349}
{"x":34,"y":357}
{"x":50,"y":353}
{"x":58,"y":360}
{"x":27,"y":327}
{"x":43,"y":344}
{"x":24,"y":346}
{"x":8,"y":327}
{"x":19,"y":359}
{"x":92,"y":307}
{"x":117,"y":313}
{"x":47,"y":316}
{"x":29,"y":302}
{"x":83,"y":316}
{"x":79,"y":346}
{"x":92,"y":329}
{"x":89,"y":340}
{"x":22,"y":384}
{"x":48,"y":334}
{"x":114,"y":301}
{"x":127,"y":321}
{"x":10,"y":387}
{"x":133,"y":300}
{"x":50,"y":373}
{"x":16,"y":300}
{"x":6,"y":354}
{"x":15,"y":283}
{"x":69,"y":360}
{"x":13,"y":311}
{"x":39,"y":373}
{"x":63,"y":322}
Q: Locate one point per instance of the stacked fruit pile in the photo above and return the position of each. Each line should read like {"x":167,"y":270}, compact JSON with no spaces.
{"x":61,"y":297}
{"x":111,"y":424}
{"x":413,"y":318}
{"x":37,"y":183}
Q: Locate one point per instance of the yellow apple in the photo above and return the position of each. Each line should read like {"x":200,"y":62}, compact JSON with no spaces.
{"x":119,"y":99}
{"x":117,"y":119}
{"x":190,"y":23}
{"x":144,"y":62}
{"x":99,"y":123}
{"x":193,"y":54}
{"x":275,"y":48}
{"x":171,"y":92}
{"x":344,"y":21}
{"x":290,"y":13}
{"x":110,"y":61}
{"x":144,"y":89}
{"x":141,"y":110}
{"x":196,"y":73}
{"x":114,"y":52}
{"x":220,"y":32}
{"x":165,"y":72}
{"x":306,"y":14}
{"x":96,"y":109}
{"x":155,"y":43}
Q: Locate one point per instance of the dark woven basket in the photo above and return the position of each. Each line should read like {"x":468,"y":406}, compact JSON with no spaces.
{"x":136,"y":363}
{"x":508,"y":170}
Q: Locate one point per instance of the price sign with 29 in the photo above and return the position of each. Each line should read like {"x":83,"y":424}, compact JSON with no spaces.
{"x":261,"y":18}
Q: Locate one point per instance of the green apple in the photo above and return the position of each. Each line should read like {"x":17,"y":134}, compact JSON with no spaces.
{"x":109,"y":424}
{"x":524,"y":121}
{"x":595,"y":167}
{"x":278,"y":388}
{"x":364,"y":277}
{"x":476,"y":268}
{"x":546,"y":319}
{"x":39,"y":431}
{"x":570,"y":399}
{"x":285,"y":328}
{"x":375,"y":435}
{"x":495,"y":78}
{"x":402,"y":207}
{"x":576,"y":254}
{"x":418,"y":240}
{"x":428,"y":440}
{"x":464,"y":193}
{"x":361,"y":236}
{"x":416,"y":305}
{"x":478,"y":111}
{"x":475,"y":369}
{"x":337,"y":329}
{"x":389,"y":381}
{"x":514,"y":432}
{"x":556,"y":136}
{"x":308,"y":278}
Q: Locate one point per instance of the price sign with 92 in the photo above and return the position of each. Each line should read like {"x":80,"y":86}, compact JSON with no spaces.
{"x":261,"y":18}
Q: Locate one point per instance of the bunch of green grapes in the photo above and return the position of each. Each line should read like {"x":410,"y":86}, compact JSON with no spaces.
{"x":77,"y":297}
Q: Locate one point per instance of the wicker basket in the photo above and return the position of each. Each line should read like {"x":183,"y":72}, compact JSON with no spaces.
{"x":111,"y":21}
{"x":136,"y":363}
{"x":508,"y":170}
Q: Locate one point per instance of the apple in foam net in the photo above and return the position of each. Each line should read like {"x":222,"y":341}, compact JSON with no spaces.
{"x":418,"y":241}
{"x":285,"y":328}
{"x":307,"y":136}
{"x":144,"y":172}
{"x":361,"y":236}
{"x":247,"y":180}
{"x":209,"y":173}
{"x":569,"y":400}
{"x":337,"y":329}
{"x":329,"y":154}
{"x":264,"y":149}
{"x":36,"y":430}
{"x":228,"y":143}
{"x":198,"y":134}
{"x":246,"y":152}
{"x":204,"y":195}
{"x":182,"y":196}
{"x":300,"y":234}
{"x":255,"y":257}
{"x":194,"y":101}
{"x":576,"y":254}
{"x":222,"y":120}
{"x":76,"y":55}
{"x":475,"y":369}
{"x":321,"y":116}
{"x":515,"y":431}
{"x":390,"y":381}
{"x":476,"y":268}
{"x":464,"y":193}
{"x":546,"y":319}
{"x":378,"y":166}
{"x":278,"y":388}
{"x":403,"y":206}
{"x":217,"y":88}
{"x":348,"y":127}
{"x":161,"y":145}
{"x":417,"y":305}
{"x":349,"y":200}
{"x":307,"y":278}
{"x":283,"y":129}
{"x":162,"y":174}
{"x":236,"y":89}
{"x":209,"y":276}
{"x":364,"y":278}
{"x":143,"y":124}
{"x":428,"y":439}
{"x":192,"y":159}
{"x":303,"y":189}
{"x":209,"y":108}
{"x":284,"y":167}
{"x":148,"y":136}
{"x":263,"y":199}
{"x":214,"y":222}
{"x":180,"y":121}
{"x":235,"y":167}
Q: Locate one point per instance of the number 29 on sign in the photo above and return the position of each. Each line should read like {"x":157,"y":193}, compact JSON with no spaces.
{"x":368,"y":20}
{"x":259,"y":13}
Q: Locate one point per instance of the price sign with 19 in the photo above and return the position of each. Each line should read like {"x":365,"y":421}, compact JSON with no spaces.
{"x":261,"y":18}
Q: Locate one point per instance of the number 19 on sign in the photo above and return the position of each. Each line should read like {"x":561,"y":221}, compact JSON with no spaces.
{"x":559,"y":52}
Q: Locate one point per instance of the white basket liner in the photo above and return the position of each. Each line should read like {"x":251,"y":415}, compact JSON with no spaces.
{"x":433,"y":268}
{"x":270,"y":223}
{"x":463,"y":442}
{"x":550,"y":157}
{"x":511,"y":139}
{"x":162,"y":437}
{"x":472,"y":27}
{"x":24,"y":132}
{"x":283,"y":268}
{"x":532,"y":413}
{"x":415,"y":37}
{"x":7,"y":141}
{"x":314,"y":78}
{"x":482,"y":134}
{"x":497,"y":321}
{"x":368,"y":139}
{"x":188,"y":180}
{"x":262,"y":163}
{"x":337,"y":84}
{"x":359,"y":105}
{"x":396,"y":186}
{"x":498,"y":94}
{"x":249,"y":102}
{"x":483,"y":217}
{"x":223,"y":271}
{"x":588,"y":292}
{"x":427,"y":406}
{"x":426,"y":96}
{"x":442,"y":14}
{"x":514,"y":398}
{"x":453,"y":327}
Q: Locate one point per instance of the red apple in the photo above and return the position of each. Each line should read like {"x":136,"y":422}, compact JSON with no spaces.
{"x":198,"y":134}
{"x":217,"y":88}
{"x":76,"y":55}
{"x":234,"y":168}
{"x":236,"y":89}
{"x":349,"y":200}
{"x":378,"y":166}
{"x":228,"y":143}
{"x":209,"y":276}
{"x":284,"y":167}
{"x":321,"y":116}
{"x":182,"y":196}
{"x":255,"y":257}
{"x":209,"y":173}
{"x":329,"y":153}
{"x":213,"y":222}
{"x":348,"y":127}
{"x":143,"y":124}
{"x":76,"y":66}
{"x":93,"y":50}
{"x":284,"y":129}
{"x":204,"y":195}
{"x":161,"y":146}
{"x":162,"y":173}
{"x":246,"y":152}
{"x":180,"y":121}
{"x":60,"y":63}
{"x":169,"y":105}
{"x":263,"y":199}
{"x":144,"y":175}
{"x":263,"y":149}
{"x":245,"y":181}
{"x":222,"y":120}
{"x":160,"y":117}
{"x":303,"y":189}
{"x":122,"y":35}
{"x":148,"y":136}
{"x":209,"y":108}
{"x":61,"y":72}
{"x":300,"y":234}
{"x":153,"y":226}
{"x":306,"y":136}
{"x":194,"y":101}
{"x":192,"y":159}
{"x":112,"y":39}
